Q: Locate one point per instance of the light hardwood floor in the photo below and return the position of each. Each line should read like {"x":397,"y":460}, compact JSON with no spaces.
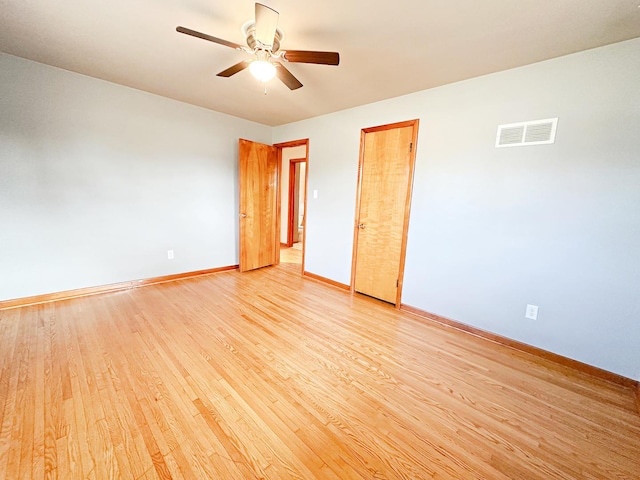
{"x":269,"y":375}
{"x":291,"y":254}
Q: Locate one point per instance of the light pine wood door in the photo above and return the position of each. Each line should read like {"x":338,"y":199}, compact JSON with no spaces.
{"x":386,"y":173}
{"x":259,"y":246}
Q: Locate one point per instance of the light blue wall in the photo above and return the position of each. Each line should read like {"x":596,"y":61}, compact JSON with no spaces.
{"x":98,"y":181}
{"x":491,"y":230}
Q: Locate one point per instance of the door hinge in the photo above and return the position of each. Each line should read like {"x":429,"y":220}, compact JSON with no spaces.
{"x":411,"y":147}
{"x":397,"y":283}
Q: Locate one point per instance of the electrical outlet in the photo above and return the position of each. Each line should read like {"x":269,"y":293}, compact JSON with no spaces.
{"x":170,"y":254}
{"x":315,"y":194}
{"x":531,"y":312}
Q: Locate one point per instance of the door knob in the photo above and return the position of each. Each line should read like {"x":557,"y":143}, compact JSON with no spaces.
{"x":362,"y":226}
{"x":243,"y":215}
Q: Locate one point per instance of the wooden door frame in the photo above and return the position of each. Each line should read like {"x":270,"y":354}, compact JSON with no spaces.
{"x":280,"y":147}
{"x":290,"y":219}
{"x":407,"y":208}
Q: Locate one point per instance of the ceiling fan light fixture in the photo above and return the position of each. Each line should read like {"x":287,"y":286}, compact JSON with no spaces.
{"x":262,"y":70}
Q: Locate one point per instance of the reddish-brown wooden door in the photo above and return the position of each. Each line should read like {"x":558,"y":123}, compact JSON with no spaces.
{"x":297,"y":183}
{"x":259,"y":245}
{"x":386,"y":174}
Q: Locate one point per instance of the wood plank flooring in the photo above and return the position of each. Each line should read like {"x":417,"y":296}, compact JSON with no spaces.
{"x":269,"y":375}
{"x":292,"y":254}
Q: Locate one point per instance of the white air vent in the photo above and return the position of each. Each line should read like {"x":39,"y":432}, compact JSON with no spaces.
{"x":537,"y":132}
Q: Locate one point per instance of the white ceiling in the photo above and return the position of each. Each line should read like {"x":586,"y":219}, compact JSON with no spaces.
{"x":387,"y":48}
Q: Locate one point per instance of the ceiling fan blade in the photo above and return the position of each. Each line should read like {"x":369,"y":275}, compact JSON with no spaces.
{"x":238,"y":67}
{"x":308,"y":56}
{"x":266,"y":23}
{"x":287,"y":77}
{"x":204,"y":36}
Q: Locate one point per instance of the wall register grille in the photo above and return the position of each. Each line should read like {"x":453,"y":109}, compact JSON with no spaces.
{"x":536,"y":132}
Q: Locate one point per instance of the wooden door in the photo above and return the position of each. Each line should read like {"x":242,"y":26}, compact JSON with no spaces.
{"x":296,"y":184}
{"x":259,"y":243}
{"x":386,"y":175}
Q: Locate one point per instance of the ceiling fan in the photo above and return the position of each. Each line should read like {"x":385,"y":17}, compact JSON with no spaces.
{"x":263,"y":37}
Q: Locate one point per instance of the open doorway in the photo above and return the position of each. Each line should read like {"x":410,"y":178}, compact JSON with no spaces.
{"x":293,"y":185}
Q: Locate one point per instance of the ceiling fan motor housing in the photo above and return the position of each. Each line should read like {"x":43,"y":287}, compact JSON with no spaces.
{"x":249,"y":31}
